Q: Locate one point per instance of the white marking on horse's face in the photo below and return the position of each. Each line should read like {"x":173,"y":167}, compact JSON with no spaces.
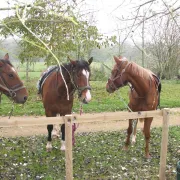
{"x":88,"y":94}
{"x":86,"y":73}
{"x":13,"y":69}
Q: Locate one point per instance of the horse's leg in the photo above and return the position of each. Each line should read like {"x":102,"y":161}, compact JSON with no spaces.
{"x":135,"y":122}
{"x":63,"y":147}
{"x":49,"y":144}
{"x":55,"y":132}
{"x":147,"y":125}
{"x":49,"y":128}
{"x":129,"y":131}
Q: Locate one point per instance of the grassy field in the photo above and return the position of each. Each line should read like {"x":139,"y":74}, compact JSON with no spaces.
{"x":101,"y":100}
{"x":96,"y":156}
{"x":40,"y":66}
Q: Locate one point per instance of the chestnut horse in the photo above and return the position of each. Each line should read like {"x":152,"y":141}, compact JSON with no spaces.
{"x":10,"y":83}
{"x":144,"y":94}
{"x":58,"y":84}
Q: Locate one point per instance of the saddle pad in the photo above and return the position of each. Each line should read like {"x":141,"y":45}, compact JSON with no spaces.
{"x":44,"y":76}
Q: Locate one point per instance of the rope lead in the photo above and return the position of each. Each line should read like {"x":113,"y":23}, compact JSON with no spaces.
{"x":12,"y":109}
{"x":134,"y":120}
{"x":81,"y":109}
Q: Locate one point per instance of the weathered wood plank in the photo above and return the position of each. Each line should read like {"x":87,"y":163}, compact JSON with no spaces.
{"x":164,"y":144}
{"x":84,"y":118}
{"x":68,"y":152}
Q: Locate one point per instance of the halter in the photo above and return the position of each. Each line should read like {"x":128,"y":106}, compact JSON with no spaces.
{"x":112,"y":84}
{"x":79,"y":89}
{"x":11,"y":91}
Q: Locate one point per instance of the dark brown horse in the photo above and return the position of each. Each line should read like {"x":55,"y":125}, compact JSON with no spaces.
{"x":57,"y":88}
{"x":144,"y":94}
{"x":10,"y":83}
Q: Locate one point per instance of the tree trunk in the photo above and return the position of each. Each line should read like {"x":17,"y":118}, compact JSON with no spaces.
{"x":27,"y":70}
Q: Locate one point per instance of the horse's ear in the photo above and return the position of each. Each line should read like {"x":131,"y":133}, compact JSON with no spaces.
{"x":6,"y":57}
{"x":120,"y":57}
{"x":90,"y":60}
{"x":116,"y":59}
{"x":71,"y":61}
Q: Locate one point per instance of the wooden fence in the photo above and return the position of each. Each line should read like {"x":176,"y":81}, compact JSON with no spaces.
{"x":94,"y":118}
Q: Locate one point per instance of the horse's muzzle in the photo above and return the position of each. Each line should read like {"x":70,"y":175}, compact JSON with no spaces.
{"x":86,"y":96}
{"x":20,"y":100}
{"x":84,"y":101}
{"x":109,"y":90}
{"x":109,"y":87}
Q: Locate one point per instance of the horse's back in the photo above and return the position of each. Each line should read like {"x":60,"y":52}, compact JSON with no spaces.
{"x":149,"y":101}
{"x":54,"y":95}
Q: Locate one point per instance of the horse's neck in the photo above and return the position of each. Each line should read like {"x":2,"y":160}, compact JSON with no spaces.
{"x":67,"y":81}
{"x":140,"y":79}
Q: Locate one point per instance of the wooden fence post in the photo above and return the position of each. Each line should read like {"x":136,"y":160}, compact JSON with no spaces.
{"x":68,"y":152}
{"x":164,"y":144}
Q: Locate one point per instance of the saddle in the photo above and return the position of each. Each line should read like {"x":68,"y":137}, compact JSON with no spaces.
{"x":157,"y":82}
{"x":44,"y":76}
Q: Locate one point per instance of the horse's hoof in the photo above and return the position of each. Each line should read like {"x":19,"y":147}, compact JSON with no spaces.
{"x":63,"y":148}
{"x":55,"y":135}
{"x":133,"y":139}
{"x":48,"y":147}
{"x":125,"y":148}
{"x":142,"y":130}
{"x":49,"y":150}
{"x":133,"y":142}
{"x":148,"y":156}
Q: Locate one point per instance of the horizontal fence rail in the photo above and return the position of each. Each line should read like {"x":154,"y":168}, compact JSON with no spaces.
{"x":84,"y":118}
{"x":94,"y":118}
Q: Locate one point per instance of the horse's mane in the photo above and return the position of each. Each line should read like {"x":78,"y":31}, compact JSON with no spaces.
{"x":6,"y":62}
{"x":140,"y":71}
{"x":66,"y":70}
{"x":80,"y":64}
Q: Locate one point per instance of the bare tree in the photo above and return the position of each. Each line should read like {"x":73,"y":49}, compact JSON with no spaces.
{"x":165,"y":47}
{"x":155,"y":23}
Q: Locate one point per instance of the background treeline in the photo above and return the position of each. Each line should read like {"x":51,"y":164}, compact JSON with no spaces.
{"x":49,"y":31}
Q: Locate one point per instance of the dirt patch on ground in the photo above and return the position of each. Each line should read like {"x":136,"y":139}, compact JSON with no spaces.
{"x":87,"y":127}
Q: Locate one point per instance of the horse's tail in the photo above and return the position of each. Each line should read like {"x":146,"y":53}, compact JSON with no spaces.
{"x":159,"y":90}
{"x":158,"y":86}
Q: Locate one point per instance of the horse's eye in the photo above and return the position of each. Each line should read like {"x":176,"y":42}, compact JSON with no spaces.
{"x":11,"y":75}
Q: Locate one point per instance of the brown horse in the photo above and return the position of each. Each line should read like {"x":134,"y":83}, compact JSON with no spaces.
{"x":10,"y":83}
{"x":57,"y":88}
{"x":144,"y":94}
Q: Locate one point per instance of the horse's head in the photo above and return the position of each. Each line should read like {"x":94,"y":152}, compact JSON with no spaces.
{"x":118,"y":75}
{"x":10,"y":83}
{"x":80,"y":78}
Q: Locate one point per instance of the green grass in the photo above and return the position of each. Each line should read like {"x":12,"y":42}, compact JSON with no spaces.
{"x":101,"y":100}
{"x":32,"y":75}
{"x":170,"y":93}
{"x":38,"y":67}
{"x":95,"y":156}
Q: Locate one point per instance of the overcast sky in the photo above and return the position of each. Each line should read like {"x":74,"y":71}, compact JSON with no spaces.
{"x":107,"y":11}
